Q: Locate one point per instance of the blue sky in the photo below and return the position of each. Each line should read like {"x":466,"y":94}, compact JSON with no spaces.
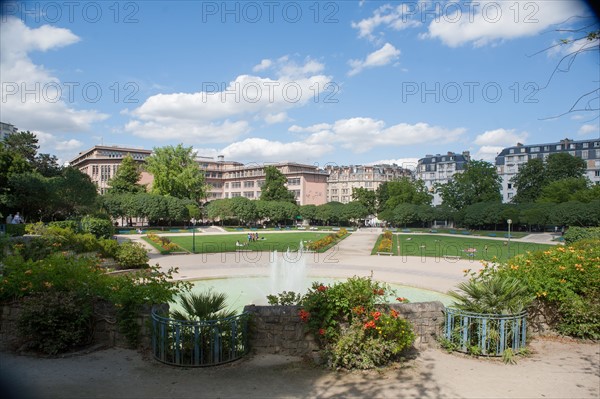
{"x":316,"y":82}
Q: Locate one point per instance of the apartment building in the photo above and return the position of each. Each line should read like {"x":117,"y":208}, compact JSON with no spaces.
{"x":342,"y":179}
{"x":6,"y":129}
{"x":439,"y":169}
{"x":101,"y":163}
{"x":509,"y":160}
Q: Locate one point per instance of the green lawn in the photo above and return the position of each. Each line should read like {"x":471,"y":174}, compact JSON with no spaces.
{"x":465,"y":247}
{"x":226,"y":242}
{"x":463,"y":232}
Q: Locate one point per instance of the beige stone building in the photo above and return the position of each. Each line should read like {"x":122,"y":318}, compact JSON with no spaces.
{"x":101,"y":163}
{"x":342,"y":179}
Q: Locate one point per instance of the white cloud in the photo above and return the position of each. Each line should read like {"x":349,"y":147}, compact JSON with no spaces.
{"x":487,"y":22}
{"x":362,"y":134}
{"x":42,"y":108}
{"x":588,"y":128}
{"x":488,"y":153}
{"x":263,"y":150}
{"x":381,"y":57}
{"x":276,"y":118}
{"x":501,"y":137}
{"x":264,"y":64}
{"x":396,"y":18}
{"x":220,"y":113}
{"x":55,"y":145}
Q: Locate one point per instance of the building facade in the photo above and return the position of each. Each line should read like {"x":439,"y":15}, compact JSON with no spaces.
{"x":101,"y":163}
{"x":342,"y":179}
{"x":6,"y":129}
{"x":439,"y":169}
{"x":510,"y":159}
{"x":227,"y":179}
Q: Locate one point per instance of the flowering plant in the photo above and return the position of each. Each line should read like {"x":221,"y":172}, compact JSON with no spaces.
{"x":353,"y":324}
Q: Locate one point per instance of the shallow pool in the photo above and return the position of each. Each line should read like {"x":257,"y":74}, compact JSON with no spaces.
{"x":242,"y":291}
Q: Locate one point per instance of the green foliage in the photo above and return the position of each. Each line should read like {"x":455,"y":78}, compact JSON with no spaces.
{"x":492,"y":294}
{"x":127,"y":177}
{"x":55,"y":321}
{"x":101,"y":228}
{"x":366,"y":197}
{"x":202,"y":306}
{"x":108,"y":247}
{"x":565,"y":279}
{"x":285,"y":298}
{"x":66,"y":224}
{"x":478,"y":183}
{"x":15,"y":229}
{"x":406,"y":191}
{"x":563,"y":190}
{"x":274,"y":188}
{"x":353,"y":326}
{"x":574,"y":234}
{"x":132,"y":255}
{"x":176,"y":173}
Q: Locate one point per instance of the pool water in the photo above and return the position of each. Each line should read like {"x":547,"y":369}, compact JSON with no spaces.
{"x":242,"y":291}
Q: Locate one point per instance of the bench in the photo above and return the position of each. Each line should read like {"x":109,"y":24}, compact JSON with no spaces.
{"x":465,"y":232}
{"x":301,"y":228}
{"x":314,"y":228}
{"x":452,"y":232}
{"x":406,"y":230}
{"x":433,"y":231}
{"x":492,"y":235}
{"x":385,"y":253}
{"x":336,"y":229}
{"x":508,"y":236}
{"x":124,"y":231}
{"x":449,"y":257}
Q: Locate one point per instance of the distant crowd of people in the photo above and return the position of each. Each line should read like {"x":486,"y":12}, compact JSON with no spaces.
{"x":10,"y":219}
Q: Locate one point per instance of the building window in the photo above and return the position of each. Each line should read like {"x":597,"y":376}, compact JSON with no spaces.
{"x":597,"y":173}
{"x":249,"y":184}
{"x":294,"y":182}
{"x":260,"y":183}
{"x":236,"y":184}
{"x":584,"y":154}
{"x":559,"y":147}
{"x":585,"y":145}
{"x":535,"y":149}
{"x":249,"y":194}
{"x":236,"y":194}
{"x":509,"y":186}
{"x":509,"y":195}
{"x":511,"y":151}
{"x":572,"y":146}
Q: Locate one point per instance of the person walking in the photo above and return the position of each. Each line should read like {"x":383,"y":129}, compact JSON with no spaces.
{"x":17,"y":219}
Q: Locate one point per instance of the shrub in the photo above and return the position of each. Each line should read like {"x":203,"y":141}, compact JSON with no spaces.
{"x":353,"y":325}
{"x":108,"y":247}
{"x":566,"y":280}
{"x":387,"y":235}
{"x":15,"y":229}
{"x":285,"y":298}
{"x":101,"y":228}
{"x":55,"y":321}
{"x":67,"y":224}
{"x":132,"y":255}
{"x":385,"y":245}
{"x":574,"y":234}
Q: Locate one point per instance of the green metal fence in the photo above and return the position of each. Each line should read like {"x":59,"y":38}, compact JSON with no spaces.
{"x":199,"y":343}
{"x":485,"y":334}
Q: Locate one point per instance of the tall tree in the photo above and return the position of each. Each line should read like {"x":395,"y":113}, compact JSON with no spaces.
{"x":274,"y":188}
{"x":176,"y":173}
{"x":529,"y":181}
{"x":127,"y":177}
{"x":407,"y":191}
{"x":368,"y":198}
{"x":562,"y":165}
{"x":479,"y":182}
{"x":23,"y":143}
{"x":74,"y":193}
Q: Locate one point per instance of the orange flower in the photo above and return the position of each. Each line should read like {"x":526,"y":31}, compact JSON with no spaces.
{"x":394,"y":314}
{"x":321,"y":331}
{"x":369,"y":324}
{"x":376,"y":315}
{"x":304,"y":315}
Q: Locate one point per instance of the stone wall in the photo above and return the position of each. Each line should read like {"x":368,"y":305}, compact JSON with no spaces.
{"x":105,"y":332}
{"x":278,"y":329}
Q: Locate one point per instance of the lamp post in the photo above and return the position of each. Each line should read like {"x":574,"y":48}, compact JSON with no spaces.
{"x":193,"y":236}
{"x":509,"y":221}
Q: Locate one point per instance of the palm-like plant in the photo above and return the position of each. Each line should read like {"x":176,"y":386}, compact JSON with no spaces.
{"x":494,"y":295}
{"x":203,"y":306}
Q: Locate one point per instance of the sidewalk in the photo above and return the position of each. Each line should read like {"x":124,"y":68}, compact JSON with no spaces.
{"x":554,"y":370}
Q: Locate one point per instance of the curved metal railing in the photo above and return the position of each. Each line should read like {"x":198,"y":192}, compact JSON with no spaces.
{"x":485,"y":334}
{"x":199,"y":343}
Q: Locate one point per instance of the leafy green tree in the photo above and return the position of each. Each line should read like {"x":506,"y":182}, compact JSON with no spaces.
{"x":368,"y":198}
{"x":244,"y":209}
{"x":407,"y":191}
{"x":24,"y":144}
{"x":308,"y":212}
{"x":536,"y":214}
{"x":274,"y":188}
{"x":74,"y":193}
{"x":219,"y":209}
{"x":30,"y":192}
{"x":562,"y":165}
{"x":529,"y":181}
{"x":47,"y":165}
{"x":127,"y":177}
{"x":405,"y":213}
{"x":176,"y":173}
{"x":382,"y":196}
{"x":563,"y":190}
{"x":479,"y":182}
{"x":354,"y":211}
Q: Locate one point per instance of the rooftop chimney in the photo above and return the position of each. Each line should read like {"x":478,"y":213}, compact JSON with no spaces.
{"x":221,"y":158}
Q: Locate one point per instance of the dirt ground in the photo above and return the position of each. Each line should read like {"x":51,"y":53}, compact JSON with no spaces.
{"x":554,"y":369}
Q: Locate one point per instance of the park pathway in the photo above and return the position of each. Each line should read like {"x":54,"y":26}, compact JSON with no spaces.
{"x":360,"y":242}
